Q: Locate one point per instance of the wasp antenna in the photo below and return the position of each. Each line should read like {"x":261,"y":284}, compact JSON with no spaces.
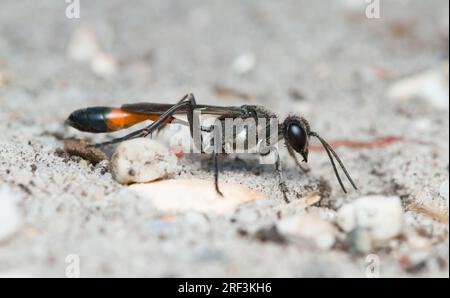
{"x":343,"y":167}
{"x":336,"y":172}
{"x":330,"y":151}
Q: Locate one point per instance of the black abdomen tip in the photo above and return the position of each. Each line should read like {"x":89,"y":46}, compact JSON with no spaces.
{"x":90,"y":119}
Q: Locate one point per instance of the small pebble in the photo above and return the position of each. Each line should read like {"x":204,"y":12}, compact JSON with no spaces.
{"x":431,"y":85}
{"x":142,"y":160}
{"x":319,"y":231}
{"x":244,"y":63}
{"x":10,"y":217}
{"x":83,"y":45}
{"x":381,"y":216}
{"x":104,"y":65}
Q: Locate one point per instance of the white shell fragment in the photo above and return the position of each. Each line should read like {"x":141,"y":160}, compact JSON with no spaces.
{"x":313,"y":228}
{"x":180,"y":195}
{"x":142,"y":160}
{"x":10,"y":217}
{"x":431,"y":85}
{"x":381,"y":216}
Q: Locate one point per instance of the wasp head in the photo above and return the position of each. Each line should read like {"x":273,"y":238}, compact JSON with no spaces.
{"x":296,"y":134}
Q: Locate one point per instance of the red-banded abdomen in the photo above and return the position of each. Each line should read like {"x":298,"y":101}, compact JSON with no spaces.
{"x":104,"y":119}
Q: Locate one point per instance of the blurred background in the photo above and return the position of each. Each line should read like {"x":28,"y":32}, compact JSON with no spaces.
{"x":355,"y":71}
{"x":274,"y":53}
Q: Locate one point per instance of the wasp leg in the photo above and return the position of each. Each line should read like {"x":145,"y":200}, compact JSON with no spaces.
{"x":178,"y":102}
{"x":190,"y":112}
{"x":134,"y":135}
{"x":297,"y":162}
{"x":216,"y":174}
{"x":281,"y":183}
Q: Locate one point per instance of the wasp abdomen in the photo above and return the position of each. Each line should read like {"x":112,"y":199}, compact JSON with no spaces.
{"x":104,"y":119}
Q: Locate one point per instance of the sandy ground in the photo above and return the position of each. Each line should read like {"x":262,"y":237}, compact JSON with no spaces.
{"x":322,"y":59}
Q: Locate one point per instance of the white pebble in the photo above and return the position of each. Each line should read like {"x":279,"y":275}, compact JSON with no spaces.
{"x":142,"y":160}
{"x":310,"y":227}
{"x":104,"y":65}
{"x":431,"y":85}
{"x":381,"y":216}
{"x":83,"y":45}
{"x":443,"y":190}
{"x":244,"y":63}
{"x":10,"y":217}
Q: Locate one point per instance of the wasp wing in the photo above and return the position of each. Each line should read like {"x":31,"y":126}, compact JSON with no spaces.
{"x":160,"y":108}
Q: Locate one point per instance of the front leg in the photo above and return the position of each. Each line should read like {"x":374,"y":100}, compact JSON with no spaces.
{"x":281,"y":183}
{"x":297,"y":162}
{"x":216,"y":174}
